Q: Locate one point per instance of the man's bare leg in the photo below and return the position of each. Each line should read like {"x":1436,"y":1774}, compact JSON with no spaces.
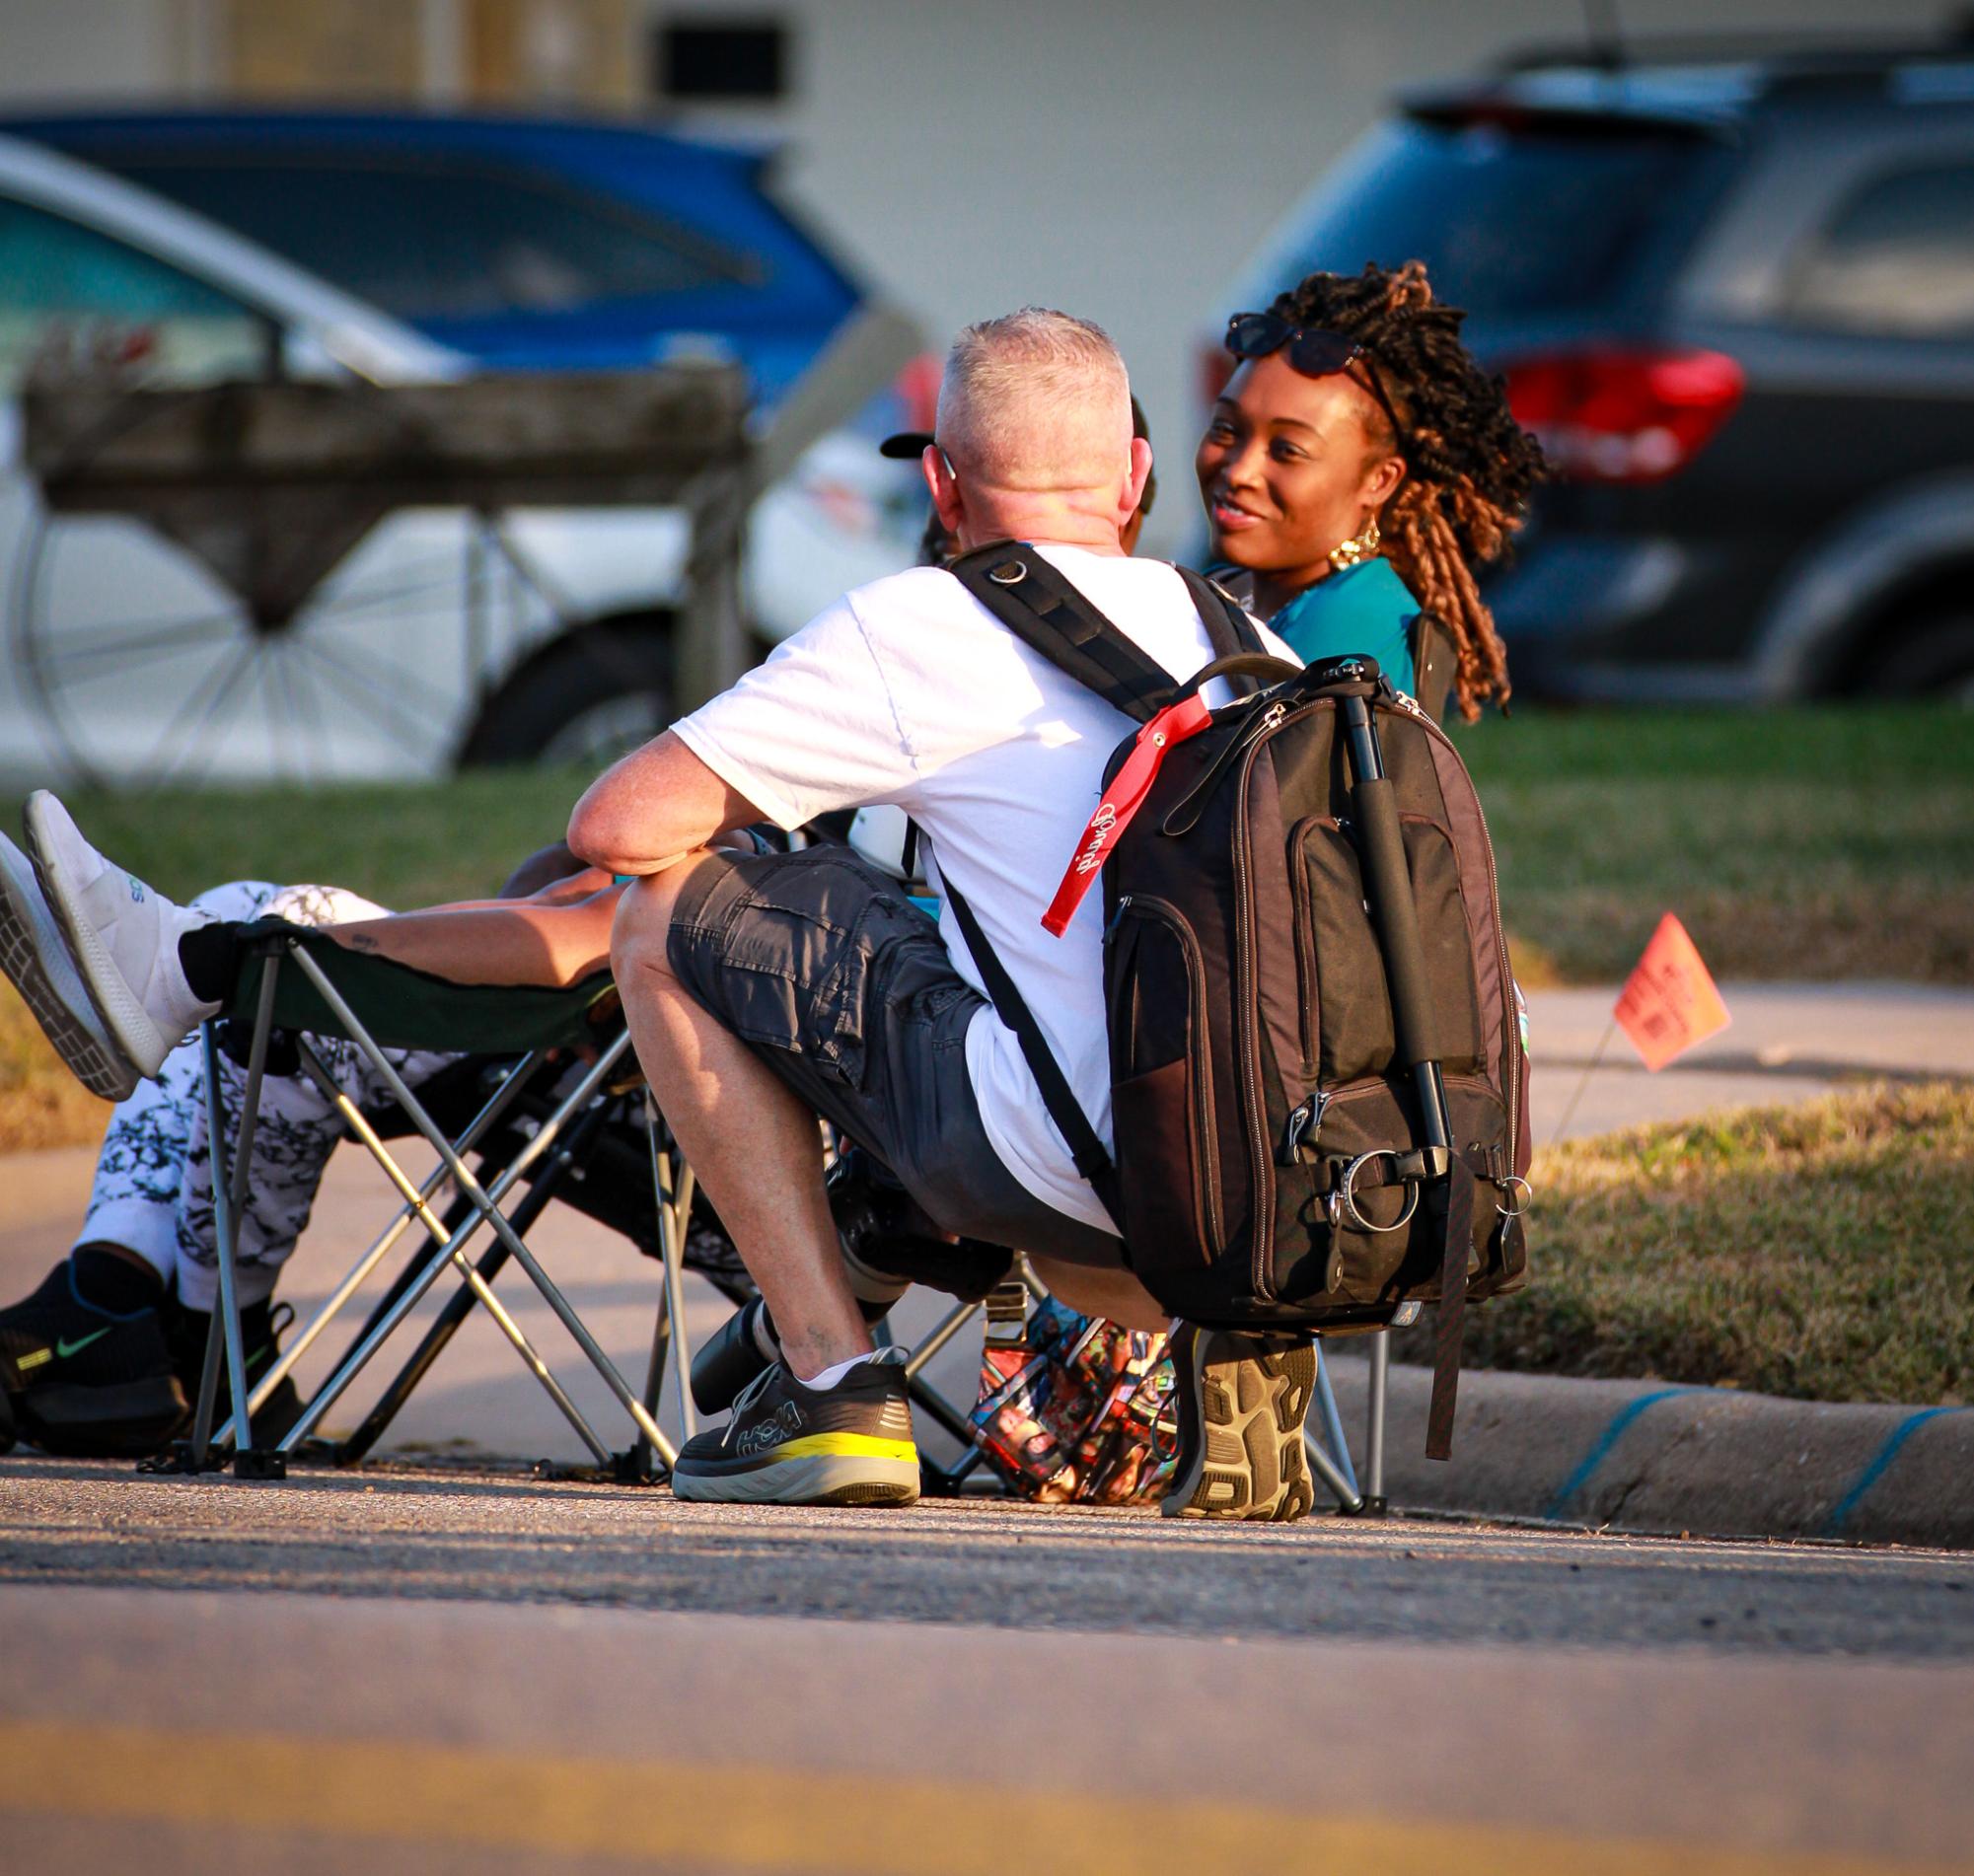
{"x":754,"y":1145}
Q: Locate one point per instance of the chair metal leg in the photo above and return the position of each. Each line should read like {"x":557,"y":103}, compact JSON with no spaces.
{"x":455,"y":1254}
{"x":463,"y":1177}
{"x":1330,"y":1457}
{"x":1333,"y":1440}
{"x":229,"y":1191}
{"x":353,"y":1363}
{"x":950,"y":1325}
{"x":639,"y":1459}
{"x":672,"y":1185}
{"x":407,"y":1215}
{"x":465,"y":1299}
{"x":1375,"y":1501}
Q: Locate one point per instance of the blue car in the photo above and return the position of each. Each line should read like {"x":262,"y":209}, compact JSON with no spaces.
{"x":458,"y":244}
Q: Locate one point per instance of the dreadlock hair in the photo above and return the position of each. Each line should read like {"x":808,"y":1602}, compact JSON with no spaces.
{"x":1469,"y":466}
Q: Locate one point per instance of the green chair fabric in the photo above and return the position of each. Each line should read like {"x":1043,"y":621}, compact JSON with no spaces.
{"x":405,"y":1008}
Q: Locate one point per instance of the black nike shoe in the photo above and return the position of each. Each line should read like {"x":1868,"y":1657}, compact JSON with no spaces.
{"x":261,"y":1327}
{"x":84,"y":1383}
{"x":1242,"y":1400}
{"x":791,"y":1445}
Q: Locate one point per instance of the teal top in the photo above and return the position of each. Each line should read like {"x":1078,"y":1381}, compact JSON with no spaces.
{"x":1366,"y":608}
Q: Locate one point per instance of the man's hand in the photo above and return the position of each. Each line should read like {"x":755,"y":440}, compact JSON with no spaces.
{"x":654,"y":807}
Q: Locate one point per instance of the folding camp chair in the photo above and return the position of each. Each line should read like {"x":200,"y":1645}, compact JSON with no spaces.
{"x":301,"y":982}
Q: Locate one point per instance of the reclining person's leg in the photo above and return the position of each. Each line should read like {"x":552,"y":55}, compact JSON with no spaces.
{"x":99,"y":1360}
{"x":155,"y":970}
{"x":90,"y":1356}
{"x":297,"y":1131}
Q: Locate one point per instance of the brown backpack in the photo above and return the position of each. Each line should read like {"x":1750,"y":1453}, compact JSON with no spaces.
{"x":1319,"y":1085}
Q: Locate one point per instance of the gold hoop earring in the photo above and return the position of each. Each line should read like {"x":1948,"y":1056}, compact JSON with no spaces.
{"x":1359,"y":549}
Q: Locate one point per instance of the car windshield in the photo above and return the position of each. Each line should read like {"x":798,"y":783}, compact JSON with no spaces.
{"x":444,"y":239}
{"x":1508,"y":221}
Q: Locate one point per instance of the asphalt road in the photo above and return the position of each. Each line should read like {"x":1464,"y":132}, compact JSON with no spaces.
{"x":493,"y":1672}
{"x":478,"y":1670}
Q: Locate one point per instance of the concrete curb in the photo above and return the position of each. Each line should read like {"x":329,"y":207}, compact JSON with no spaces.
{"x":1645,"y":1456}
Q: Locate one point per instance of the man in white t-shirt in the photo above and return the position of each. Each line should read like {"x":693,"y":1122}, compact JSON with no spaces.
{"x":763,"y":992}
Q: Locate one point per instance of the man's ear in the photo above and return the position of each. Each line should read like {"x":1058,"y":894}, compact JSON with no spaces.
{"x":1141,"y":468}
{"x":944,"y":487}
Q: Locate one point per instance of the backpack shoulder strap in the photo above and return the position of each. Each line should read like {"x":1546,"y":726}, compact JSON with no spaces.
{"x":1433,"y":662}
{"x":1058,"y":1096}
{"x":1226,"y":619}
{"x":1049,"y":615}
{"x":1227,"y":624}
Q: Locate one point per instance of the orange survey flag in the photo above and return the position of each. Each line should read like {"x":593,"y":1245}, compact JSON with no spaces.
{"x":1669,"y":1001}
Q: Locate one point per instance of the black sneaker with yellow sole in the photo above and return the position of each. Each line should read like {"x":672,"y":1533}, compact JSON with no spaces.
{"x":787,"y":1444}
{"x":88,"y":1383}
{"x":1242,"y":1400}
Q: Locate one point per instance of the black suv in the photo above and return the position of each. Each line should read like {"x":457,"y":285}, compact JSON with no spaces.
{"x":1732,"y":289}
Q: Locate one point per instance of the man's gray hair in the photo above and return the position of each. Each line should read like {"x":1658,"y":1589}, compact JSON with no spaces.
{"x":1036,"y":399}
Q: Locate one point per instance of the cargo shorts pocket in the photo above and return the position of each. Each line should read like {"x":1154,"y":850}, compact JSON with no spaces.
{"x":788,"y":981}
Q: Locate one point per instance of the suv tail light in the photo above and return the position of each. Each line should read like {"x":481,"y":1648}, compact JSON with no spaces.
{"x":1623,"y":417}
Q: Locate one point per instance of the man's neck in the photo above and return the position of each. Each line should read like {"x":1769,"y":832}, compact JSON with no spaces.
{"x":1049,"y":527}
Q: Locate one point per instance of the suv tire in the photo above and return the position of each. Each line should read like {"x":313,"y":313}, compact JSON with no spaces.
{"x":582,"y":700}
{"x":1934,"y":659}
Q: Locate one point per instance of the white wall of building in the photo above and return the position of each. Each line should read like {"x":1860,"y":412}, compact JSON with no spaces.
{"x":1120,"y":158}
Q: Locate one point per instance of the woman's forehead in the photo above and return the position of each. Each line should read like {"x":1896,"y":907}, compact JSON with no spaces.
{"x":1271,"y":390}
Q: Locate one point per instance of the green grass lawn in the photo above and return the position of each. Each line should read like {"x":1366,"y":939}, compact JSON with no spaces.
{"x":1792,"y":843}
{"x":1824,"y":1252}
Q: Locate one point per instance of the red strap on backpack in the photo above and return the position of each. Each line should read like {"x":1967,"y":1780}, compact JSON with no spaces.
{"x":1122,"y":801}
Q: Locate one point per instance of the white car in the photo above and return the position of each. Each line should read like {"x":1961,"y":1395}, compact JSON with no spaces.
{"x":437,"y":636}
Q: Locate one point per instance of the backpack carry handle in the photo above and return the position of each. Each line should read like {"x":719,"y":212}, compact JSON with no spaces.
{"x":1243,"y":663}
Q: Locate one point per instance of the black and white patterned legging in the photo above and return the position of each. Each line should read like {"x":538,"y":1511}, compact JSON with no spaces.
{"x":153,"y":1191}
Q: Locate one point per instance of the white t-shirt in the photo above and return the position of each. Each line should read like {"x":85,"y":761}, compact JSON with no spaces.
{"x":910,"y":691}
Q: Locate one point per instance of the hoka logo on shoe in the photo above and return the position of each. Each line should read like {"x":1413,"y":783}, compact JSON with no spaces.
{"x":783,"y":1424}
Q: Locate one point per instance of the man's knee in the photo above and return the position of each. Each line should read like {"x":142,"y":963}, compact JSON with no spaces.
{"x":640,"y":934}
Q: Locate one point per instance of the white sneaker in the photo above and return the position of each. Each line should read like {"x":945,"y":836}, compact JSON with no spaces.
{"x":34,"y":957}
{"x":122,"y":936}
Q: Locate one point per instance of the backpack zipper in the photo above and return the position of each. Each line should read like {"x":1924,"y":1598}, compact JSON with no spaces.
{"x":1261,"y":1211}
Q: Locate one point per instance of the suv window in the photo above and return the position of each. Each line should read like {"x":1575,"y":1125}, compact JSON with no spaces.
{"x":74,"y":300}
{"x":443,"y":240}
{"x":1898,"y":258}
{"x":1506,"y":221}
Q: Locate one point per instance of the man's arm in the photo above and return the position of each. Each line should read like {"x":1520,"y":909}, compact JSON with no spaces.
{"x":653,"y":806}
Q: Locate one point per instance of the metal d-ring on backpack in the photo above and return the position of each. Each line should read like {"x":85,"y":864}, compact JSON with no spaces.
{"x":1318,"y":1084}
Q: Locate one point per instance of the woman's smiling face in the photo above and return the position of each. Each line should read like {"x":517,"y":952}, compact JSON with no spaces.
{"x":1288,"y":468}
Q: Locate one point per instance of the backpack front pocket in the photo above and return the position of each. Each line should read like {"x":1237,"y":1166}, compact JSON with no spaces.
{"x":1346,"y":1031}
{"x":1162,"y":1089}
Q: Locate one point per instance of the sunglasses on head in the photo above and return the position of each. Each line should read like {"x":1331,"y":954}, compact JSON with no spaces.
{"x":1312,"y":352}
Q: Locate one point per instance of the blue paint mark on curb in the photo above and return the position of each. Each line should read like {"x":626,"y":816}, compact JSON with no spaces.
{"x":1607,"y":1439}
{"x":1879,"y":1461}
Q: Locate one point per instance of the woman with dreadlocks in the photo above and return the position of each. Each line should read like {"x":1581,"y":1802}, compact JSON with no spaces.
{"x":1358,"y":467}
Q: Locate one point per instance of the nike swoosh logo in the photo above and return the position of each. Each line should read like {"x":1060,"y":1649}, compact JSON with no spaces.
{"x":65,"y":1348}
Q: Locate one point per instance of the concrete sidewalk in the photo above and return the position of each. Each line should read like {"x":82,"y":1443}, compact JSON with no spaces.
{"x":1787,"y":1041}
